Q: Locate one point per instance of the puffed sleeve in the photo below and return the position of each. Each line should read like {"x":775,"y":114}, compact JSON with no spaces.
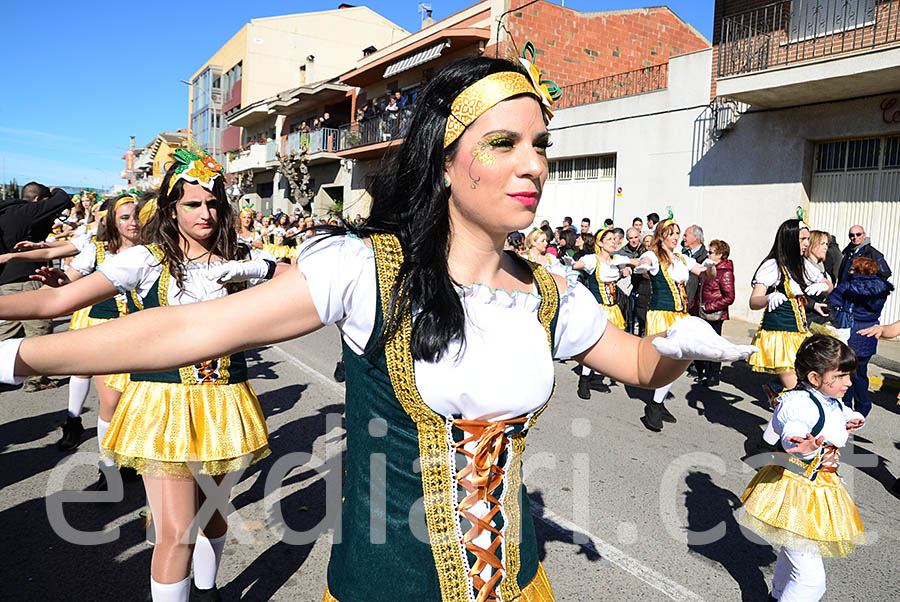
{"x":80,"y":242}
{"x":581,"y":321}
{"x":134,"y":269}
{"x":340,"y":273}
{"x":654,"y":261}
{"x":767,"y":274}
{"x":689,"y":262}
{"x":86,"y":260}
{"x":590,"y":263}
{"x":795,"y":417}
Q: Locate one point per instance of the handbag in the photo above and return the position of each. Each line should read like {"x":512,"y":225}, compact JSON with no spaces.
{"x":713,"y":316}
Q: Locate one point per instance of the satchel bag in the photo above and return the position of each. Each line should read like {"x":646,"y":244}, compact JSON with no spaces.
{"x":713,"y":316}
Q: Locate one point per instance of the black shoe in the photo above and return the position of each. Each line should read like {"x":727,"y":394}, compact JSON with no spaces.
{"x":665,"y":414}
{"x":129,"y":475}
{"x":339,"y":373}
{"x":710,"y":382}
{"x":692,"y":370}
{"x":584,"y":387}
{"x":895,"y":489}
{"x":101,"y":484}
{"x":72,"y":432}
{"x":653,"y":416}
{"x":772,"y":598}
{"x":598,"y":385}
{"x":205,"y":595}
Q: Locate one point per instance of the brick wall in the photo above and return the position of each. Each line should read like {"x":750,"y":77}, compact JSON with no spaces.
{"x":723,"y":9}
{"x":575,"y":47}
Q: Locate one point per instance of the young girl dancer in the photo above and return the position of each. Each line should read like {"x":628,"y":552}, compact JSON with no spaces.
{"x":779,"y":287}
{"x":427,"y":303}
{"x":669,"y":271}
{"x":202,"y":420}
{"x":800,"y":503}
{"x":247,"y":232}
{"x":603,"y":270}
{"x":119,"y":229}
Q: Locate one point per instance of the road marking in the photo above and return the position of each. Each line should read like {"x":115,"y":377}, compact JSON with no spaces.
{"x":608,"y":551}
{"x":617,"y":557}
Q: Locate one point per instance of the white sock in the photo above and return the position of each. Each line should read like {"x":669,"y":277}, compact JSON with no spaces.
{"x":170,"y":592}
{"x":78,"y":391}
{"x":102,"y":427}
{"x":207,"y":555}
{"x":585,"y":371}
{"x":659,"y":395}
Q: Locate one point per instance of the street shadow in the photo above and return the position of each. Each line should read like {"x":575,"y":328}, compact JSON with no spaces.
{"x":281,"y":400}
{"x":547,"y":530}
{"x":715,"y":534}
{"x":887,"y":400}
{"x":718,"y":408}
{"x":258,"y":368}
{"x":750,"y":383}
{"x":869,"y":463}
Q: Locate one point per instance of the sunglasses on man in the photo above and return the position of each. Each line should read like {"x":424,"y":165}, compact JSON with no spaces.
{"x":856,"y":234}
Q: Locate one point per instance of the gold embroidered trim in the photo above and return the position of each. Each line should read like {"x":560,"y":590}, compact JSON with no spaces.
{"x":509,"y":587}
{"x":437,"y":480}
{"x":546,"y":312}
{"x":797,"y":307}
{"x":678,"y":290}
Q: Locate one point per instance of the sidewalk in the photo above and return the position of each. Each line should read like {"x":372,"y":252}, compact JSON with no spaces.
{"x":884,"y":369}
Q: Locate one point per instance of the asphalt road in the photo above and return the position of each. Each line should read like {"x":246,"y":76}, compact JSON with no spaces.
{"x":620,"y":512}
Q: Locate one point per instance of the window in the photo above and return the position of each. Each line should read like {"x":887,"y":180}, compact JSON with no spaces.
{"x":265,"y":190}
{"x":814,"y":18}
{"x":830,"y":156}
{"x":862,"y":154}
{"x":892,"y":152}
{"x":582,"y":168}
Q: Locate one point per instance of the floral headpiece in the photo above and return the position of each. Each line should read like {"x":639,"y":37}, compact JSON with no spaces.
{"x":497,"y":87}
{"x":801,"y":215}
{"x":197,"y":168}
{"x":248,"y":210}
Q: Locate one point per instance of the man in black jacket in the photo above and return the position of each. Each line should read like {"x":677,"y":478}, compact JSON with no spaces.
{"x":29,"y":218}
{"x":861,"y":246}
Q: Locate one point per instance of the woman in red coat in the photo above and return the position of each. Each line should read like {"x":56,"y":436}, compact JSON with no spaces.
{"x":711,"y":303}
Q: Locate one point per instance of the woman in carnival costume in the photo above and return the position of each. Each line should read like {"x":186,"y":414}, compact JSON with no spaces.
{"x":247,"y":232}
{"x":780,"y":286}
{"x":427,"y":302}
{"x":119,"y":229}
{"x":201,"y":420}
{"x":669,"y":272}
{"x":603,"y":268}
{"x":799,"y":502}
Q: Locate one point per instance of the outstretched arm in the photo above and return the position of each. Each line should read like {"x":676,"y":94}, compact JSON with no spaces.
{"x":48,"y":253}
{"x":632,"y":360}
{"x":50,"y":302}
{"x":170,"y":337}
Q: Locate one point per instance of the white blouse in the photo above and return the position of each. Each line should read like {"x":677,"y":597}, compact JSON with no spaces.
{"x":85,"y":261}
{"x":504,"y":369}
{"x":680,"y":269}
{"x":769,"y":275}
{"x":796,"y":415}
{"x":608,"y":272}
{"x":137,"y":269}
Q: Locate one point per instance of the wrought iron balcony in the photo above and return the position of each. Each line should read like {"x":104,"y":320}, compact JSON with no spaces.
{"x":374,"y":130}
{"x":796,"y":31}
{"x":647,"y":79}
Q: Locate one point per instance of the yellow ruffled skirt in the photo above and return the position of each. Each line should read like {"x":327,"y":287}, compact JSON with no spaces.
{"x":118,"y":381}
{"x":172,"y":429}
{"x":787,"y":509}
{"x":777,"y":350}
{"x":280,"y":251}
{"x":537,"y":591}
{"x":614,"y":314}
{"x":81,"y":319}
{"x":659,"y":321}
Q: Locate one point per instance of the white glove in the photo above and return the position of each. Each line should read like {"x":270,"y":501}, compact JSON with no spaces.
{"x":816,"y":288}
{"x":708,"y":262}
{"x":238,"y":271}
{"x":642,"y":268}
{"x":694,"y":339}
{"x":8,"y":351}
{"x":776,"y":299}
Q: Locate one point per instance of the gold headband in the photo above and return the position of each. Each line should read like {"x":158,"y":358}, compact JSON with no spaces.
{"x":481,"y":96}
{"x":147,"y":211}
{"x":122,"y":201}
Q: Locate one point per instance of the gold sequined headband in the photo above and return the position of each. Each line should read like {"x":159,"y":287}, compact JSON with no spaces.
{"x":122,"y":201}
{"x":495,"y":88}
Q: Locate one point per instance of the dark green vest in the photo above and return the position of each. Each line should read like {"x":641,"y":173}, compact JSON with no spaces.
{"x":604,"y":292}
{"x":666,"y":294}
{"x":790,"y":316}
{"x":114,"y":306}
{"x":414,"y":551}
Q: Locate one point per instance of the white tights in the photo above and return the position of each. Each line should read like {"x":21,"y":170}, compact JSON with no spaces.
{"x":799,"y":576}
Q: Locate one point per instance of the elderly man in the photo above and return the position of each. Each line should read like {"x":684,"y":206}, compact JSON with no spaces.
{"x":692,"y":245}
{"x":861,"y":246}
{"x":632,"y":249}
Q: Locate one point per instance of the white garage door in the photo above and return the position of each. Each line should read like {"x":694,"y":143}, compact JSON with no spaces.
{"x":578,"y":188}
{"x":858,"y":182}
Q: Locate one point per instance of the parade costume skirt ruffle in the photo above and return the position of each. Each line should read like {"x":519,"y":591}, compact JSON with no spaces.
{"x":777,"y":350}
{"x":614,"y":314}
{"x":81,"y":319}
{"x":162,"y":428}
{"x":659,"y":321}
{"x":280,"y":251}
{"x":118,"y":381}
{"x":787,"y":509}
{"x":538,"y":590}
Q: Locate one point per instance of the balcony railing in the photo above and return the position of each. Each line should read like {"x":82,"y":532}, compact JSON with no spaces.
{"x":323,"y":140}
{"x":802,"y":30}
{"x":647,"y":79}
{"x":382,"y":128}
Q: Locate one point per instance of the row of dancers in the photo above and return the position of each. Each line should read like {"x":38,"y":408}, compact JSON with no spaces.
{"x":426,"y":301}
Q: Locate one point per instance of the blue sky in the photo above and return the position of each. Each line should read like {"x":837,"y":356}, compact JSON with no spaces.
{"x":79,"y":78}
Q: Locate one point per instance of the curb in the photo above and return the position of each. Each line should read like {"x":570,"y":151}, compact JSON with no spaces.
{"x":886,"y":384}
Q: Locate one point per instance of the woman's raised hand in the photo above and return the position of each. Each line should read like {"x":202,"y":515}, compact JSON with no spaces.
{"x":694,"y":339}
{"x":50,"y":276}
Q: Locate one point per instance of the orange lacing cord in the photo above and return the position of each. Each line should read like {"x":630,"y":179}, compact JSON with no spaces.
{"x":207,"y":371}
{"x":479,"y":478}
